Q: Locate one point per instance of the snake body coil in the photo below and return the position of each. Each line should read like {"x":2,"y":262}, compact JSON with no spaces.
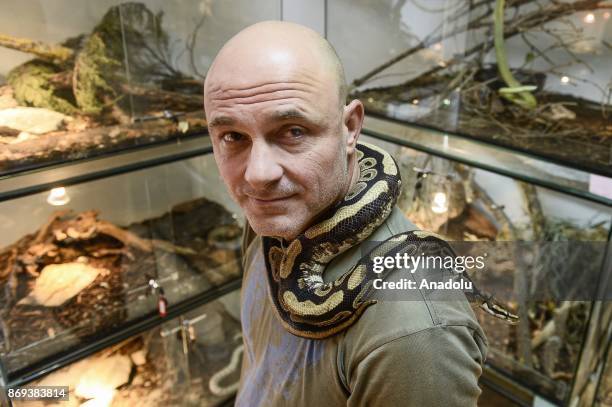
{"x":312,"y":308}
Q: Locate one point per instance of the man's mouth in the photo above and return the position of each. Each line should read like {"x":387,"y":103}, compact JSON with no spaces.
{"x":266,"y":200}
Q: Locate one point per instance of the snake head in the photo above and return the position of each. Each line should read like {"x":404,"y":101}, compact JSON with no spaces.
{"x":499,"y":311}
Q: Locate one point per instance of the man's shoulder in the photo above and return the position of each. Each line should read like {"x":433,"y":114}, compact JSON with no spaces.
{"x":392,"y":319}
{"x":439,"y":328}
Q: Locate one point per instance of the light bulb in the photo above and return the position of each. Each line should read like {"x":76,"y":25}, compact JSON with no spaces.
{"x":58,"y":197}
{"x":589,"y":18}
{"x":440,"y":203}
{"x":565,"y":79}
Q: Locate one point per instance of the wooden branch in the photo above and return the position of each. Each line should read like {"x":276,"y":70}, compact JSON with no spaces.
{"x":523,"y":334}
{"x":534,"y":209}
{"x":512,"y":28}
{"x":430,"y":40}
{"x":55,"y":54}
{"x":178,"y":101}
{"x":44,"y":230}
{"x":553,"y":327}
{"x":66,"y":145}
{"x":124,"y":236}
{"x":497,"y":211}
{"x":147,"y":245}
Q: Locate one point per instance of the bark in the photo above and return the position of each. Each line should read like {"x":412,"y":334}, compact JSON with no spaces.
{"x":62,"y":146}
{"x":55,"y":54}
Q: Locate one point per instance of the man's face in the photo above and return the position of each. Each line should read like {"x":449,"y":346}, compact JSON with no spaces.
{"x":280,"y":146}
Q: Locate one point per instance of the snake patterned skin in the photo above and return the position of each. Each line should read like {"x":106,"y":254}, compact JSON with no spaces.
{"x":308,"y":306}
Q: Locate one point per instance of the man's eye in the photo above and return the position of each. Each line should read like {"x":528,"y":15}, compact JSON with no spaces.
{"x":296,"y":131}
{"x":232,"y":137}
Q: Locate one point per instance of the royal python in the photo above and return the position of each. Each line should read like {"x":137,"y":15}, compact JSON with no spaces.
{"x":232,"y":368}
{"x":311,"y":308}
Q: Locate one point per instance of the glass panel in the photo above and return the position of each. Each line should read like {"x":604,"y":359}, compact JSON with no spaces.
{"x":209,"y":349}
{"x":191,"y":361}
{"x":570,"y":180}
{"x":79,"y":80}
{"x":490,"y":397}
{"x":81,"y":261}
{"x":541,"y":85}
{"x":467,"y":204}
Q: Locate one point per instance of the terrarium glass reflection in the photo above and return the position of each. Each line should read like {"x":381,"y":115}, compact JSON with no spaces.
{"x":81,"y":79}
{"x":533,"y":75}
{"x":494,"y":213}
{"x":86,"y":260}
{"x":193,"y":360}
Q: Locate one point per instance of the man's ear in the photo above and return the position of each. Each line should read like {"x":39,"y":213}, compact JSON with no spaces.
{"x":352,"y":121}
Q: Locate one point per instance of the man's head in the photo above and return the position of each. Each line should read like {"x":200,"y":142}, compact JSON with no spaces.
{"x":283,"y":138}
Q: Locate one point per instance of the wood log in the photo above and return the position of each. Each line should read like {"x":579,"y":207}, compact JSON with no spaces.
{"x":65,"y":145}
{"x":553,"y":327}
{"x":516,"y":26}
{"x":534,"y":209}
{"x":55,"y":54}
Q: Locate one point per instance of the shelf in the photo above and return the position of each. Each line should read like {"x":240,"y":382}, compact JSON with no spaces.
{"x":21,"y":184}
{"x":488,"y":157}
{"x":134,"y":327}
{"x":506,"y":387}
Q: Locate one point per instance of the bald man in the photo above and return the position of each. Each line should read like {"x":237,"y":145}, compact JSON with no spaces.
{"x":285,"y":144}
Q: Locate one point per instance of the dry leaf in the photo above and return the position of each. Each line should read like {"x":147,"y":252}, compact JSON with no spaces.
{"x":103,"y":375}
{"x":58,"y":283}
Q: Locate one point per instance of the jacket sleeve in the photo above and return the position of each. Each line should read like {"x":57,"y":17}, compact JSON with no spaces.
{"x":437,"y":366}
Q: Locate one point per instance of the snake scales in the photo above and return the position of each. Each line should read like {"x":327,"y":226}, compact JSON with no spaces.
{"x":312,"y":308}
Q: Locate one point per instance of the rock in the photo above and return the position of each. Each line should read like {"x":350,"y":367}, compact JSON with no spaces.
{"x":139,"y":357}
{"x":67,"y":376}
{"x":57,"y":283}
{"x":138,"y":380}
{"x":32,"y":120}
{"x":8,"y":132}
{"x":23,"y":136}
{"x":103,"y":375}
{"x":7,"y":99}
{"x":105,"y":400}
{"x":560,"y":112}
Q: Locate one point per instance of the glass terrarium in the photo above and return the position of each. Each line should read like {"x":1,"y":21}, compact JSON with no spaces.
{"x":81,"y":79}
{"x":546,"y":252}
{"x":528,"y":74}
{"x":82,"y":263}
{"x":192,"y":360}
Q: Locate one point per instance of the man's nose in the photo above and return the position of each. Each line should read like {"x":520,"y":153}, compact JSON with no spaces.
{"x":262,"y":167}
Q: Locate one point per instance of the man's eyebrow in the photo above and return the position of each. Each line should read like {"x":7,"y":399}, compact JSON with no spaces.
{"x":221,"y":121}
{"x":291,"y":114}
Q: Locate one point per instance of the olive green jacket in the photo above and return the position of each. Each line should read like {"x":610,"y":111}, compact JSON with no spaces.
{"x":399,"y":353}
